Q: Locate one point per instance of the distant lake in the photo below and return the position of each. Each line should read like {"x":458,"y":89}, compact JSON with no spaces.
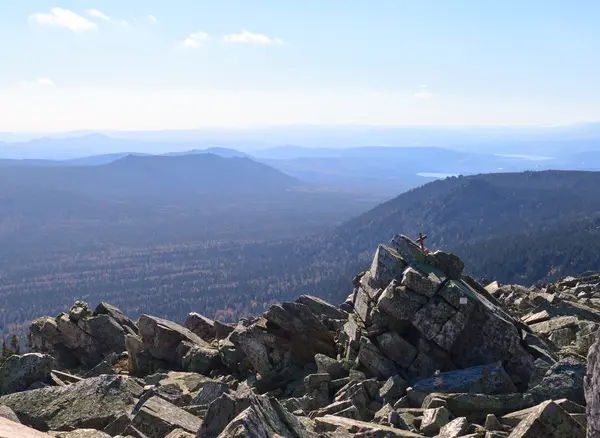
{"x":524,"y":157}
{"x":436,"y":175}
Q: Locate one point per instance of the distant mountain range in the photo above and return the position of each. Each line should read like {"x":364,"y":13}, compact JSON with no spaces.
{"x":144,"y":199}
{"x":378,"y":172}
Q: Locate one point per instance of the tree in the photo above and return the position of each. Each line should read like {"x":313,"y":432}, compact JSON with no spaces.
{"x":6,"y":352}
{"x":14,"y":343}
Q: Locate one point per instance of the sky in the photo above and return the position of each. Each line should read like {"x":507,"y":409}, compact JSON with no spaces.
{"x":185,"y":64}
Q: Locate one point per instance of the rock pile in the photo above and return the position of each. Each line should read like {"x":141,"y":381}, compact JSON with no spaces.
{"x":418,"y":349}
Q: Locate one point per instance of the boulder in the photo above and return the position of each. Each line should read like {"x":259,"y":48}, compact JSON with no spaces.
{"x":393,"y":389}
{"x":487,"y":379}
{"x":420,"y":283}
{"x":397,"y":348}
{"x":18,"y":373}
{"x":91,"y":403}
{"x":157,"y":418}
{"x":265,"y":418}
{"x":80,"y":337}
{"x":332,"y":423}
{"x":454,"y":429}
{"x":430,"y":318}
{"x":548,"y":420}
{"x":223,"y":410}
{"x":433,"y":420}
{"x":200,"y":325}
{"x":387,"y":265}
{"x":592,"y":389}
{"x":334,"y":368}
{"x":476,"y":407}
{"x":287,"y":336}
{"x":209,"y":391}
{"x":117,"y":315}
{"x":161,"y":338}
{"x":564,"y":379}
{"x":321,"y":308}
{"x":197,"y":358}
{"x":373,"y":360}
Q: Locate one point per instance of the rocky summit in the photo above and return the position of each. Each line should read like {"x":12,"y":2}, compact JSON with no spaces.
{"x":418,"y":349}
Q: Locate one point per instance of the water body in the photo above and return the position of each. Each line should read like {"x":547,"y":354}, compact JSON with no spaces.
{"x":436,"y":175}
{"x":524,"y":157}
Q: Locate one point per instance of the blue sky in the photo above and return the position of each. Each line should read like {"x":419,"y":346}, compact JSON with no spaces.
{"x":182,"y":64}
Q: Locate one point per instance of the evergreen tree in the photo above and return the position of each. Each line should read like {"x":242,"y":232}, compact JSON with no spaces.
{"x":6,"y":353}
{"x":14,"y":343}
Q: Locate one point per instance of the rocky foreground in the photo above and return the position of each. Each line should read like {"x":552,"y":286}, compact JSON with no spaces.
{"x":418,"y":349}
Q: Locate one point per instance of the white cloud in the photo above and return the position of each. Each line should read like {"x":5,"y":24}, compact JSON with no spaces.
{"x":45,"y":82}
{"x":152,"y":19}
{"x":97,"y":14}
{"x":195,"y":39}
{"x":246,"y":37}
{"x":63,"y":18}
{"x":423,"y":93}
{"x":37,"y":83}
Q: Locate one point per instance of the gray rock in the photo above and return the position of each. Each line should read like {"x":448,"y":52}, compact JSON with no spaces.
{"x":295,"y":332}
{"x":387,"y":265}
{"x":321,"y":308}
{"x":550,"y":421}
{"x":119,"y":425}
{"x":102,"y":368}
{"x":161,"y":338}
{"x":492,"y":423}
{"x":117,"y":315}
{"x":157,"y":418}
{"x":487,"y":379}
{"x":448,"y":263}
{"x":592,"y":390}
{"x":430,"y":319}
{"x":197,"y":358}
{"x":477,"y":406}
{"x":334,"y":368}
{"x":209,"y":391}
{"x":374,"y":361}
{"x":91,"y":403}
{"x":396,"y":348}
{"x":265,"y":418}
{"x":434,"y":420}
{"x":333,"y":423}
{"x":419,"y":283}
{"x":18,"y":373}
{"x":201,"y":325}
{"x":332,"y":409}
{"x":223,"y":410}
{"x":456,"y":428}
{"x":222,"y":330}
{"x":393,"y":389}
{"x":79,"y":338}
{"x":400,"y":303}
{"x":564,"y":379}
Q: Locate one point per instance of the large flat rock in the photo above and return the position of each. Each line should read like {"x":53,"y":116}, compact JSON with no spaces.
{"x":92,"y":403}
